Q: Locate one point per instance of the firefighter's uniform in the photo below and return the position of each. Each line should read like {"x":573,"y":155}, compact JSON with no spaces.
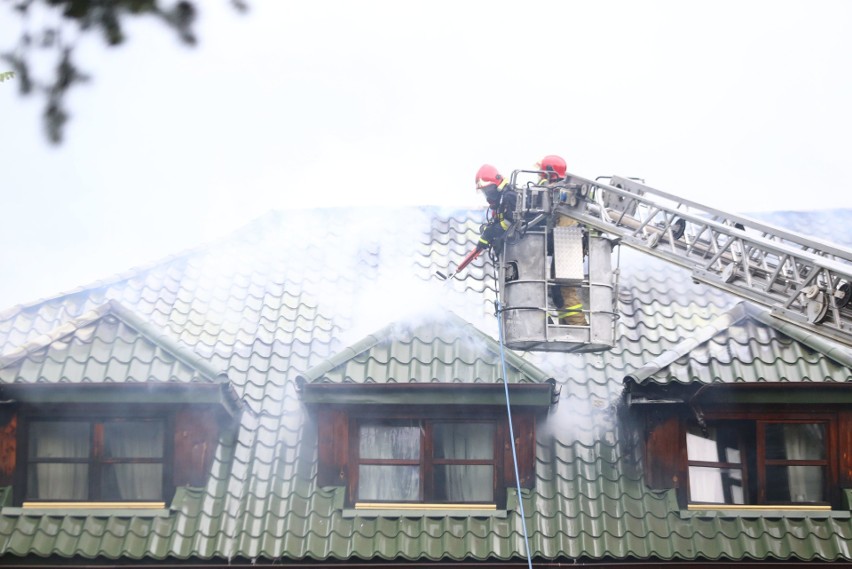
{"x":502,"y":202}
{"x":569,"y":298}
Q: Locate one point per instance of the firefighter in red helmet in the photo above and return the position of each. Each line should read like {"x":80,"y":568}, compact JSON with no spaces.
{"x":568,"y":299}
{"x":553,"y":168}
{"x":501,"y":203}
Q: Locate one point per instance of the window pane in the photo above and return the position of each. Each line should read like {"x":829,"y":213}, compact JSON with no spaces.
{"x":57,"y":482}
{"x":389,"y":442}
{"x":133,"y":439}
{"x":388,"y":483}
{"x":716,"y":485}
{"x":716,"y":444}
{"x":795,"y":441}
{"x":464,"y":483}
{"x":795,"y":484}
{"x":464,"y":440}
{"x":132,"y":482}
{"x":58,"y":439}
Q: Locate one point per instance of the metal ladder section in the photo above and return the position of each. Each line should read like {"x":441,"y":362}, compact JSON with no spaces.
{"x":802,"y":280}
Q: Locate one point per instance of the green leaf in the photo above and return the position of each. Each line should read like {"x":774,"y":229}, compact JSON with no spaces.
{"x":4,"y":75}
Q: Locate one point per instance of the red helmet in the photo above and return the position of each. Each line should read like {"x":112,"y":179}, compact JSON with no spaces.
{"x":553,"y":163}
{"x":487,"y":175}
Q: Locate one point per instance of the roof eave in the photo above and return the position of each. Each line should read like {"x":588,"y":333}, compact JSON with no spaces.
{"x":533,"y":394}
{"x":147,"y":393}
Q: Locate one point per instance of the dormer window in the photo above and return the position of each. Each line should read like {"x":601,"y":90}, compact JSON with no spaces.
{"x":103,"y":459}
{"x":100,"y":453}
{"x":435,"y":445}
{"x":430,"y":429}
{"x":729,"y":430}
{"x":426,"y":461}
{"x":747,"y":447}
{"x":107,"y":411}
{"x":769,"y":460}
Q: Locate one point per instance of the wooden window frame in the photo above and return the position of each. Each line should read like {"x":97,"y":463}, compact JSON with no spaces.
{"x":757,"y":480}
{"x":427,"y":461}
{"x":96,"y":417}
{"x":338,"y":451}
{"x":722,"y":465}
{"x":764,"y":463}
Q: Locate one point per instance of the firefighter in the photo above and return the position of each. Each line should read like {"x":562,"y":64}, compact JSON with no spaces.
{"x":567,"y":298}
{"x":501,"y":204}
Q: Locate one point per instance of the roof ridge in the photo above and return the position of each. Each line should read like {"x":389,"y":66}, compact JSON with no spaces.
{"x":682,"y":348}
{"x":829,"y":348}
{"x":159,"y":337}
{"x":139,"y":269}
{"x":147,"y":267}
{"x":100,"y":283}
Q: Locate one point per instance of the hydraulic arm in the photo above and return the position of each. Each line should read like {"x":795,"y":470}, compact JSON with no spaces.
{"x":802,"y":280}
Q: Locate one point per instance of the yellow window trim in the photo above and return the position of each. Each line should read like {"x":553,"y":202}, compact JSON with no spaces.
{"x":96,"y":505}
{"x":410,"y":506}
{"x":703,"y":507}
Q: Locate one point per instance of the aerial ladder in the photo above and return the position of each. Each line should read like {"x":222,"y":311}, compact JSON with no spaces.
{"x":804,"y":281}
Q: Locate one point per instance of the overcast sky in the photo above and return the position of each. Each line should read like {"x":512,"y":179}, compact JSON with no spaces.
{"x":740,"y":105}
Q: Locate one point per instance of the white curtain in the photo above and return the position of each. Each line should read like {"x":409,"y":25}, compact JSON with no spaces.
{"x":385,"y":482}
{"x":735,"y":476}
{"x":465,"y":483}
{"x":58,"y":440}
{"x":133,"y":439}
{"x":805,"y":442}
{"x":707,"y":483}
{"x":401,"y":482}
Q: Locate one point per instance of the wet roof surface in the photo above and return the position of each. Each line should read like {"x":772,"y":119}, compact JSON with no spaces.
{"x":293,"y":291}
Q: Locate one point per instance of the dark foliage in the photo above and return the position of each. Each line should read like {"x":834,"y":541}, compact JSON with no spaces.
{"x":77,"y":18}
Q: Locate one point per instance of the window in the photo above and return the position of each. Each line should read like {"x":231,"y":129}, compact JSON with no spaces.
{"x":760,"y":461}
{"x":426,"y":461}
{"x":105,"y":459}
{"x":716,"y":472}
{"x":110,"y":444}
{"x":737,"y":446}
{"x":424,"y":454}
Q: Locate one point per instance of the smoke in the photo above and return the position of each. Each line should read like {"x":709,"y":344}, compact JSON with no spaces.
{"x":395,"y":298}
{"x":589,"y":397}
{"x":368,"y":271}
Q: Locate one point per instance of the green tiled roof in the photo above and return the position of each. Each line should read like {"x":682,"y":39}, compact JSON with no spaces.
{"x":108,"y":344}
{"x":743,"y":345}
{"x":273,"y":302}
{"x":118,"y":357}
{"x":427,"y":348}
